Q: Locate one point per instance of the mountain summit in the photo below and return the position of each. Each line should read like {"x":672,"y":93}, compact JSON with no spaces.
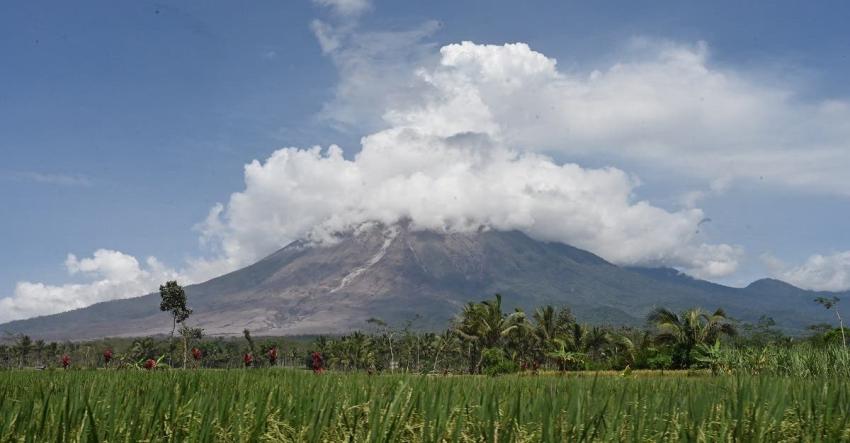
{"x":398,"y":274}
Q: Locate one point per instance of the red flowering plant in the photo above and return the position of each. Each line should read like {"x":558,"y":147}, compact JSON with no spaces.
{"x":107,"y":356}
{"x":197,"y":354}
{"x":66,"y":361}
{"x":318,"y":363}
{"x":248,"y":359}
{"x":149,"y":364}
{"x":272,"y":356}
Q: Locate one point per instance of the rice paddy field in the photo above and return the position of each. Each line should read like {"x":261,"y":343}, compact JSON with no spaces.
{"x":287,"y":405}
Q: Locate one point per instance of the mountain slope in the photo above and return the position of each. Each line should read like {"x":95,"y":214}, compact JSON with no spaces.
{"x":395,"y":273}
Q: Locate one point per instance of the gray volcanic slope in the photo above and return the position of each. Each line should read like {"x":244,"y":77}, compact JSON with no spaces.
{"x":395,"y":273}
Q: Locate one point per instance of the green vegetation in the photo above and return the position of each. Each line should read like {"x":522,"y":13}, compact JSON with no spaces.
{"x":292,"y":405}
{"x":491,"y":376}
{"x":482,"y":340}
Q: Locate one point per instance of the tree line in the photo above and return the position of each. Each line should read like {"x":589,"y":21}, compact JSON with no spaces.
{"x":483,"y":338}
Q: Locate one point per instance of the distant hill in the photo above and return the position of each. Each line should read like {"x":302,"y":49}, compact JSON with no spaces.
{"x":398,"y":274}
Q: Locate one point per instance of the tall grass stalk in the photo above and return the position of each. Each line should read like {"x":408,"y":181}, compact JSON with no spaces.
{"x":292,"y":405}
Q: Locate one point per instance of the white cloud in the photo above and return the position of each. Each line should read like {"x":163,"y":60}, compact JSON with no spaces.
{"x":663,"y":106}
{"x":110,"y":274}
{"x":454,"y":182}
{"x":668,"y":107}
{"x":346,"y":7}
{"x":818,"y":272}
{"x":449,"y":160}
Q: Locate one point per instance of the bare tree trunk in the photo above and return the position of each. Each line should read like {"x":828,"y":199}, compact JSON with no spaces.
{"x":437,"y":357}
{"x":418,"y":365}
{"x":171,"y":342}
{"x":392,"y":355}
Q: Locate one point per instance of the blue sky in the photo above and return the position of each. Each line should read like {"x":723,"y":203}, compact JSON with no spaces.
{"x":124,"y":123}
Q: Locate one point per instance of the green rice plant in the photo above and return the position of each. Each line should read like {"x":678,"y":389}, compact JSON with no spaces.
{"x":802,"y":360}
{"x":266,"y":405}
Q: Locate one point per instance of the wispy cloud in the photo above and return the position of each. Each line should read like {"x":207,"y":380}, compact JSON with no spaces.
{"x":57,"y":179}
{"x":349,"y":8}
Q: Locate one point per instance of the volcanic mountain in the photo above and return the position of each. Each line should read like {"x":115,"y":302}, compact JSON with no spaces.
{"x":399,"y":274}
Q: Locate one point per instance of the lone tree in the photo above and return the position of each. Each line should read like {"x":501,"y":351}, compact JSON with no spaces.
{"x":830,"y":303}
{"x":174,"y":302}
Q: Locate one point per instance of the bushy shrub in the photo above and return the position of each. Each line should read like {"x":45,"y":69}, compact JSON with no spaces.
{"x":494,"y":362}
{"x":660,"y":361}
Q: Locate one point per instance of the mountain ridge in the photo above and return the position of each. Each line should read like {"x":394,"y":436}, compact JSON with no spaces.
{"x":397,"y":273}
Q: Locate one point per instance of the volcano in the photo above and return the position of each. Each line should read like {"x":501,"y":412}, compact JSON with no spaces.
{"x":402,"y":275}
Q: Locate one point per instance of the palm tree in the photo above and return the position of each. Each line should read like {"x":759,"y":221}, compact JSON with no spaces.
{"x":484,"y":325}
{"x":689,"y":329}
{"x":564,"y":358}
{"x":622,"y":346}
{"x":545,"y":327}
{"x":360,"y":351}
{"x":594,"y":341}
{"x":545,"y":330}
{"x":558,"y":332}
{"x":351,"y":352}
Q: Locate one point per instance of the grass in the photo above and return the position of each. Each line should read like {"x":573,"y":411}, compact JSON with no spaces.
{"x":292,"y":405}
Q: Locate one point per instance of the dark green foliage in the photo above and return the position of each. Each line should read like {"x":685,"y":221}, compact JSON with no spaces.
{"x":143,"y":349}
{"x":825,"y":335}
{"x":827,"y":302}
{"x":684,"y":332}
{"x":831,"y":303}
{"x":173,"y":301}
{"x":551,"y":339}
{"x":764,"y":332}
{"x":494,"y":362}
{"x":660,"y":361}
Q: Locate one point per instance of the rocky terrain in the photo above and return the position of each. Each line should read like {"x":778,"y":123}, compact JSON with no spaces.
{"x":399,"y":275}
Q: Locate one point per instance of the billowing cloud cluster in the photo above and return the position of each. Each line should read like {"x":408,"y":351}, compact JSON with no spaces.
{"x":110,"y":275}
{"x":669,"y":108}
{"x":662,"y":106}
{"x":819,"y":272}
{"x":465,"y":137}
{"x":451,"y":178}
{"x":455,"y":157}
